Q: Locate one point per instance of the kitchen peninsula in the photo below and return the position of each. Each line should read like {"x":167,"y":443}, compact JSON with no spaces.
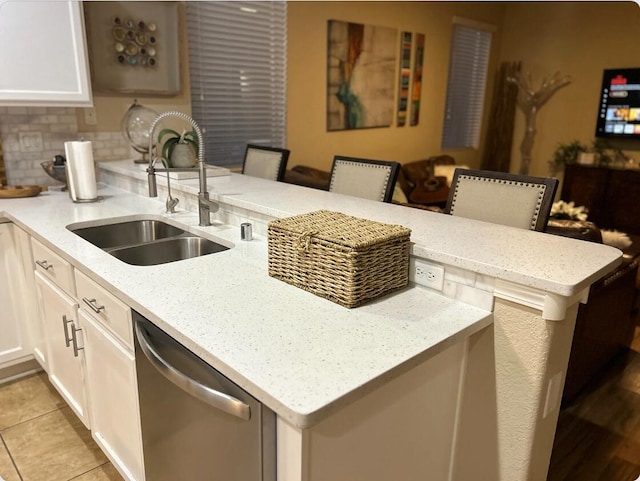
{"x":459,"y":383}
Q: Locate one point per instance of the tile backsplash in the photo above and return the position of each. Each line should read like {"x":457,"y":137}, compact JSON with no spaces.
{"x":31,"y":135}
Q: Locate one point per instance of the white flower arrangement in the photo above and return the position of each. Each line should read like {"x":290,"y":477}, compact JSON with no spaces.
{"x":568,"y":210}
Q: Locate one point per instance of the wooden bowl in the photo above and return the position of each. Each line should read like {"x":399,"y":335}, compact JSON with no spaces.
{"x":16,"y":191}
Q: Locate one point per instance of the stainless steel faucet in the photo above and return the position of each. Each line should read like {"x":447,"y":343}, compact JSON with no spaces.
{"x":205,"y":206}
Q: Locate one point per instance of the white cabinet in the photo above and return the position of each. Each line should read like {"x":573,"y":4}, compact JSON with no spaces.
{"x":59,"y":272}
{"x":111,"y":377}
{"x":115,"y":415}
{"x":43,"y":53}
{"x":15,"y":345}
{"x":64,"y":338}
{"x":90,"y":357}
{"x":31,"y":315}
{"x":53,"y":267}
{"x":65,"y":345}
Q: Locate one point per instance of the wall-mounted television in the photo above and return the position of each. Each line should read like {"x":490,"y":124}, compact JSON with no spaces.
{"x":619,"y":112}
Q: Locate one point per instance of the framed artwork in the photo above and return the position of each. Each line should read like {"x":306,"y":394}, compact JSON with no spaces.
{"x":134,"y":47}
{"x":405,"y":78}
{"x":361,"y":62}
{"x":416,"y":89}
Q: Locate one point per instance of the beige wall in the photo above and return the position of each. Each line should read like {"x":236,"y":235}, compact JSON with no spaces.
{"x":578,"y":39}
{"x":307,"y":135}
{"x":569,"y":37}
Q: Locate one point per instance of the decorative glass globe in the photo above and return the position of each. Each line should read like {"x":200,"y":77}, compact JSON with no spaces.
{"x":135,"y":127}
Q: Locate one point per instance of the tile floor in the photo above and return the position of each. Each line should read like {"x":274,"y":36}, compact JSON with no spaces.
{"x":41,"y":439}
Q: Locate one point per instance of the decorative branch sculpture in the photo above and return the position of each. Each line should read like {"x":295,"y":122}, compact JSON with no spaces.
{"x":530,"y":102}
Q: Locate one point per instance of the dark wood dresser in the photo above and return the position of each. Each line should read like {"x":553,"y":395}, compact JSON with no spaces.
{"x":605,"y":324}
{"x":611,"y":195}
{"x":604,"y":329}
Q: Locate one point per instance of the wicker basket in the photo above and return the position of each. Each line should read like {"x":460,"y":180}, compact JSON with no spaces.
{"x":341,"y":258}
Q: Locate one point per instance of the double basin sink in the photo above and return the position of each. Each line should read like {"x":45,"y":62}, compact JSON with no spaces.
{"x":146,"y":242}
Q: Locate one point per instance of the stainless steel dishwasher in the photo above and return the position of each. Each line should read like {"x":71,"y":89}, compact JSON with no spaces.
{"x":196,"y":424}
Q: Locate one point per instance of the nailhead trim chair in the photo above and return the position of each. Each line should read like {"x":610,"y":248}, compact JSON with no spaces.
{"x":368,"y":179}
{"x":501,"y":198}
{"x":265,"y":162}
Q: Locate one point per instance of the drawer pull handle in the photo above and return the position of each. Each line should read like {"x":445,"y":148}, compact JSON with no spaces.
{"x":195,"y":387}
{"x":45,"y":265}
{"x":74,"y":339}
{"x":65,"y":321}
{"x":93,"y":305}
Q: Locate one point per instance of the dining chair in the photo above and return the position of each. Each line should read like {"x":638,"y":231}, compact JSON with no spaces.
{"x":508,"y":199}
{"x":368,"y":179}
{"x":265,"y":162}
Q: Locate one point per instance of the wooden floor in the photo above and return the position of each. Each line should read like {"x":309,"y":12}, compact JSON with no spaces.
{"x":598,"y":436}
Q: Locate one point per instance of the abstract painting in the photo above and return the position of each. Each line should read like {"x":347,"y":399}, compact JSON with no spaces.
{"x":361,"y":62}
{"x":416,"y":90}
{"x":405,"y":76}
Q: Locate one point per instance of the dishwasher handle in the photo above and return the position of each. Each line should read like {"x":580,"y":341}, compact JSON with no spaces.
{"x":216,"y":399}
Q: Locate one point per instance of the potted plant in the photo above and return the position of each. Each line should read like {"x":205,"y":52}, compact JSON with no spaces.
{"x":604,"y":154}
{"x":179,"y":150}
{"x":566,"y":154}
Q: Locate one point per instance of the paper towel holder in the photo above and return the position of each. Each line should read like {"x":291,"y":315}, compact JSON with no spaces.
{"x":72,"y":190}
{"x":73,"y":181}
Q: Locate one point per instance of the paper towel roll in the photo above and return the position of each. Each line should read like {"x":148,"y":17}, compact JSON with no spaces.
{"x":81,"y":172}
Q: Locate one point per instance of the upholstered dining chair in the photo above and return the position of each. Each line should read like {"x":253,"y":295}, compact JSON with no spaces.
{"x":508,"y":199}
{"x":265,"y":162}
{"x":368,"y":179}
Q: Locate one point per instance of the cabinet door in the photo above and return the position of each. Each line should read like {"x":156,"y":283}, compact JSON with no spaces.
{"x":65,"y":345}
{"x":623,"y":195}
{"x":30,"y":310}
{"x":587,"y":186}
{"x":113,"y":391}
{"x":14,"y":341}
{"x":43,"y":53}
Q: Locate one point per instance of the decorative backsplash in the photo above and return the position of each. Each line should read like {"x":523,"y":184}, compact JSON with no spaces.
{"x":31,"y":135}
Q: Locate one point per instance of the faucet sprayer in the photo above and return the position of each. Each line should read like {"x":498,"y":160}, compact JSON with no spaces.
{"x":205,"y":206}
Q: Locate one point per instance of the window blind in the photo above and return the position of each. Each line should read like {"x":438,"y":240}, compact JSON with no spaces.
{"x":466,"y":86}
{"x":237,"y":65}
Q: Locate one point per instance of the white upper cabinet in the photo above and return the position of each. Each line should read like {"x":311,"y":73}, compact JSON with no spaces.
{"x":43,"y":54}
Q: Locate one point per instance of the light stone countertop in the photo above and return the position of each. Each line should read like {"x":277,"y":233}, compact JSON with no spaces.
{"x":301,"y":355}
{"x":551,"y":263}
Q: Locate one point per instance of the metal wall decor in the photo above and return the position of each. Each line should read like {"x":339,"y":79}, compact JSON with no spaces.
{"x":134,"y":47}
{"x":135,"y":42}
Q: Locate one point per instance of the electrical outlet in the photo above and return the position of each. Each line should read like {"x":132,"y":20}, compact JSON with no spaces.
{"x":90,"y":116}
{"x":426,"y":274}
{"x":554,"y":394}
